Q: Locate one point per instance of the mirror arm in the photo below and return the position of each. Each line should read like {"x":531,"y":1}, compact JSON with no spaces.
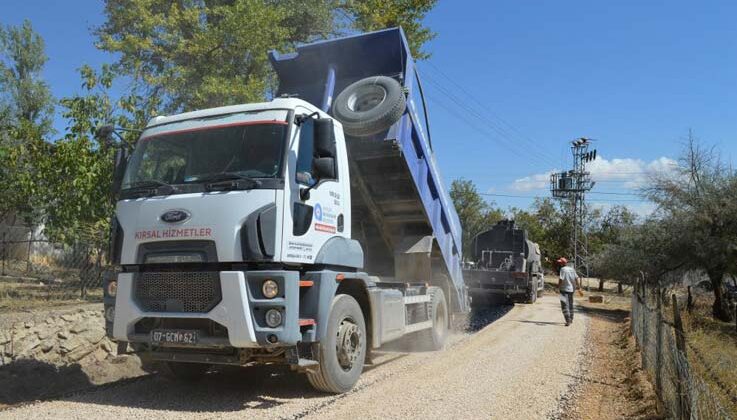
{"x":304,"y":193}
{"x":299,"y":119}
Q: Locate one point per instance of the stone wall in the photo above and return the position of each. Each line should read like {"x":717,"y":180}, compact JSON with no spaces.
{"x":47,"y":353}
{"x":57,"y":337}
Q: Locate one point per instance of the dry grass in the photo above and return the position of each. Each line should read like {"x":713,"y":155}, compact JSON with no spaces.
{"x":26,"y":295}
{"x":712,"y":350}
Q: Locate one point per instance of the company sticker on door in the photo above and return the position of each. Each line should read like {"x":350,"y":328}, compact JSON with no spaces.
{"x":324,"y":219}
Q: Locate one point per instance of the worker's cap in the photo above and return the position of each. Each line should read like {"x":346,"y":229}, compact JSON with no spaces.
{"x":562,"y":261}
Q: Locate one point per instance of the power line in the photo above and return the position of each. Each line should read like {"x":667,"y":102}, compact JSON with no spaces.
{"x":501,"y":133}
{"x":542,"y":197}
{"x":612,"y":193}
{"x":482,"y":105}
{"x":473,"y":124}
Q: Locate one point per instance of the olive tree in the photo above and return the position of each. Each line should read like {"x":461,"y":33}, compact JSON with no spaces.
{"x":699,"y":208}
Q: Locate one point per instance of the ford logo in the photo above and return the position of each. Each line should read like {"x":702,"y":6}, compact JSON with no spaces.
{"x":175,"y":216}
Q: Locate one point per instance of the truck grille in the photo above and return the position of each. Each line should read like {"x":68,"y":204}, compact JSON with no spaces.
{"x":197,"y":291}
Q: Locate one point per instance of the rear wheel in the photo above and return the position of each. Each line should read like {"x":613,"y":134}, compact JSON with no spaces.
{"x":186,"y":371}
{"x":341,"y":353}
{"x":532,"y":293}
{"x":434,"y":338}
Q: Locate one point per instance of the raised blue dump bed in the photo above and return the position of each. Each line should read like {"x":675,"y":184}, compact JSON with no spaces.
{"x":397,"y":190}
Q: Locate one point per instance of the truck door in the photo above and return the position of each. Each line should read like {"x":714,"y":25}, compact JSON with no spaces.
{"x":309,"y":221}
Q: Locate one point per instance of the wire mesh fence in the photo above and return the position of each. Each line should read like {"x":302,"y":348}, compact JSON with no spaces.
{"x":34,"y":270}
{"x":679,"y":372}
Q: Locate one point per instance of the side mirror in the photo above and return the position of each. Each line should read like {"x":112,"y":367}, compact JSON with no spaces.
{"x":324,"y":167}
{"x":120,"y":160}
{"x":324,"y":137}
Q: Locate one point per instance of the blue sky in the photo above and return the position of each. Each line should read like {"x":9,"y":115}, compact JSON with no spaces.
{"x":511,"y":82}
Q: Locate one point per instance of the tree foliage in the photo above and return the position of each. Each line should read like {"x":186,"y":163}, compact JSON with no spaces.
{"x":371,"y":15}
{"x":26,"y":107}
{"x":79,"y":170}
{"x":192,"y":54}
{"x":24,"y":96}
{"x":694,"y":228}
{"x":699,"y":205}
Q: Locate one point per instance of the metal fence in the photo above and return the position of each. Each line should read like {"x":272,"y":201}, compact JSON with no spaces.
{"x":27,"y":258}
{"x":668,"y":357}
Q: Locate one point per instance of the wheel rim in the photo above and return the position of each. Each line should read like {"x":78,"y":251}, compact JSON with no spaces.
{"x":366,"y":98}
{"x":348,"y":344}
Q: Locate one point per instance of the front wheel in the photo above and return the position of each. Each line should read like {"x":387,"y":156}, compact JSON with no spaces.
{"x":342,"y":351}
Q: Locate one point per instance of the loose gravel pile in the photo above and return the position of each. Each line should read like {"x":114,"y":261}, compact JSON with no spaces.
{"x":516,"y":367}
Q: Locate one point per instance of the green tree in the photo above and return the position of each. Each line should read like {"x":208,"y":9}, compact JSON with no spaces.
{"x":80,"y":168}
{"x":26,"y":107}
{"x":371,"y":15}
{"x":475,"y":213}
{"x":193,"y":54}
{"x":26,"y":97}
{"x":607,"y":231}
{"x":698,"y":206}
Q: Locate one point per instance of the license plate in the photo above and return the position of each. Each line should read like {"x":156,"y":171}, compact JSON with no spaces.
{"x":186,"y":337}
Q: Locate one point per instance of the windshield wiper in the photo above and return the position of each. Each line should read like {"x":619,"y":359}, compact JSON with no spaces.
{"x":225,"y":181}
{"x":150,"y":187}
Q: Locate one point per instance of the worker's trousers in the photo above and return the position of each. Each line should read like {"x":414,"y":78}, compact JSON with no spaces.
{"x":566,"y":304}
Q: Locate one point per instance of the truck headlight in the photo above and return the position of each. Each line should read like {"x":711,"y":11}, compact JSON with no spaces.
{"x":273,"y":318}
{"x":270,"y":289}
{"x":112,"y":288}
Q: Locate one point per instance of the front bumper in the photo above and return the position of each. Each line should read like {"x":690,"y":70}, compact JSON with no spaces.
{"x":240,"y":311}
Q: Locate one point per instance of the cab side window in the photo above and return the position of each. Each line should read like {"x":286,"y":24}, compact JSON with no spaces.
{"x":304,"y":174}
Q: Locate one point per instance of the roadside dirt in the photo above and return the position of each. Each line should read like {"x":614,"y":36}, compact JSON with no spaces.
{"x":521,"y":365}
{"x":613,"y":385}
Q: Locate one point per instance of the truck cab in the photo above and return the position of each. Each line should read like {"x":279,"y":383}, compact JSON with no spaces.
{"x":257,"y":233}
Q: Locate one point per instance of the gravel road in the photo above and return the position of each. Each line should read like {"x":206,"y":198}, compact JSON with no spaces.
{"x":518,"y":366}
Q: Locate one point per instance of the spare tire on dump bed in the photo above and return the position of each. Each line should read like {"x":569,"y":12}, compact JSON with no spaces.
{"x":370,"y":106}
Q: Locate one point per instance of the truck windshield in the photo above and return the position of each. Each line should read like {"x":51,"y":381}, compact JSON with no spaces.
{"x":252,"y":149}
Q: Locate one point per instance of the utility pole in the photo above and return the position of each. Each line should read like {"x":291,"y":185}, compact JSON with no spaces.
{"x":573,"y":186}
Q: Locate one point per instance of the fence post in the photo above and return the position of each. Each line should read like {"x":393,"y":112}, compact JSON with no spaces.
{"x":646,"y":314}
{"x":659,"y":342}
{"x":28,"y":256}
{"x":5,"y":253}
{"x":684,"y":403}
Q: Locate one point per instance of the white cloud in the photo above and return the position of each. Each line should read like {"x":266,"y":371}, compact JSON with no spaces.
{"x":632,"y":173}
{"x":532,"y":182}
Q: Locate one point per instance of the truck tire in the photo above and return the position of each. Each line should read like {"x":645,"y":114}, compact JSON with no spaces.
{"x":341,"y":353}
{"x":370,"y":106}
{"x":434,"y":338}
{"x":189,"y":372}
{"x":532,"y":294}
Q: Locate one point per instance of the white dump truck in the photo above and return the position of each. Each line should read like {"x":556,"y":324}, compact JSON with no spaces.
{"x":306,"y":230}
